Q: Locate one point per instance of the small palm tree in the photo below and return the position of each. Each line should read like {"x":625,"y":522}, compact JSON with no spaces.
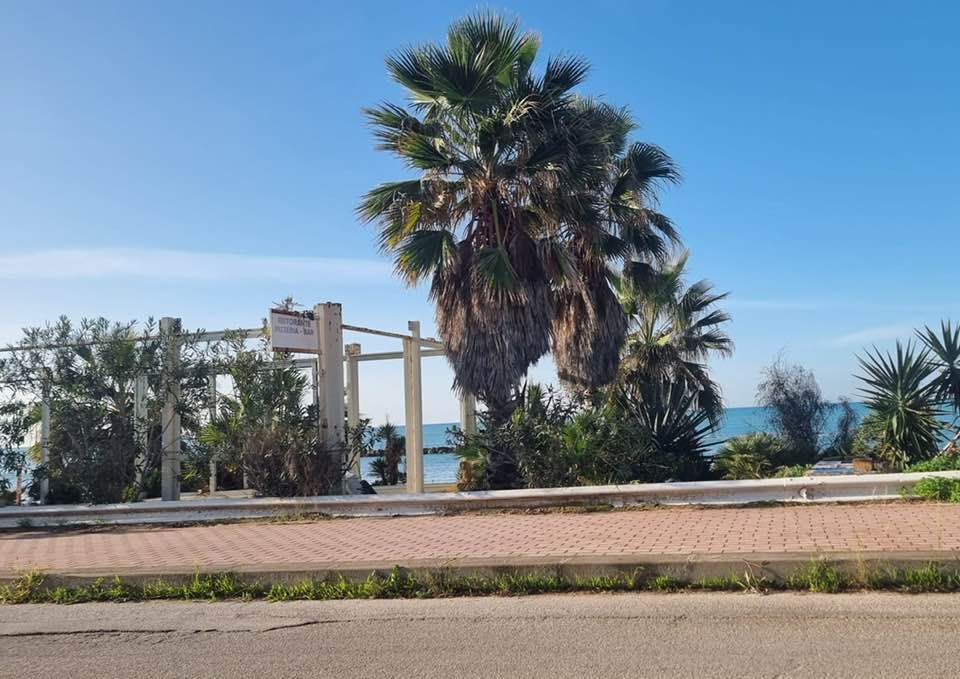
{"x":387,"y":468}
{"x":751,"y":456}
{"x":674,"y":328}
{"x":899,"y":390}
{"x":525,"y":194}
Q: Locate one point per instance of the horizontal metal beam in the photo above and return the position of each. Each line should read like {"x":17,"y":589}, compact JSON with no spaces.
{"x":425,"y":341}
{"x":387,"y":355}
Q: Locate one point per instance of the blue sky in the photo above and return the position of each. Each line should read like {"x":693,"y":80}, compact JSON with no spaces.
{"x":204,"y":159}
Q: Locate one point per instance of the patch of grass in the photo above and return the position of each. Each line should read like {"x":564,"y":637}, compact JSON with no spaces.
{"x":818,"y":576}
{"x":748,"y":582}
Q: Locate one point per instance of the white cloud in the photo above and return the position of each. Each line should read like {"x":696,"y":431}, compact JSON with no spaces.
{"x":148,"y":264}
{"x":871,"y":335}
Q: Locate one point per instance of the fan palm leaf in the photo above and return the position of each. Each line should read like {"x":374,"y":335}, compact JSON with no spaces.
{"x":674,"y":329}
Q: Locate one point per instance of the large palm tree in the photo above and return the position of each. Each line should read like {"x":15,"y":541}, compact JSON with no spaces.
{"x":674,"y":329}
{"x":525,"y":195}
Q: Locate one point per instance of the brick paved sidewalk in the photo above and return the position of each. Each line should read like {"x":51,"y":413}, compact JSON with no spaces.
{"x":436,"y":540}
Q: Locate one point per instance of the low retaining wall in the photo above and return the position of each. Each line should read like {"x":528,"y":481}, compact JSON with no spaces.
{"x":801,"y":490}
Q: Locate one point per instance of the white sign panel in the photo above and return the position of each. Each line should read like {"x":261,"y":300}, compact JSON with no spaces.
{"x":292,"y":331}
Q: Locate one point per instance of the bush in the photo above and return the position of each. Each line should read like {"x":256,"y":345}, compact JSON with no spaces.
{"x":87,"y":375}
{"x":938,"y":488}
{"x":654,"y":434}
{"x":795,"y":471}
{"x":796,"y":410}
{"x":751,"y":456}
{"x":285,"y":461}
{"x":941,"y":463}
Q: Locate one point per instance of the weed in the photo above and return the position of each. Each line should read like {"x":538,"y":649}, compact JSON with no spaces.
{"x":819,"y":576}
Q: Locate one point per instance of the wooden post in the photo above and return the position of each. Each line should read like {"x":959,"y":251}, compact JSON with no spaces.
{"x":170,"y":413}
{"x":468,"y":415}
{"x":413,"y":408}
{"x":45,"y":441}
{"x":212,"y":397}
{"x":353,"y":394}
{"x":329,"y":319}
{"x":141,"y":425}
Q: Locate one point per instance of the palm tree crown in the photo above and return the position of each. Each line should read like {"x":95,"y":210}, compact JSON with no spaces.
{"x":674,"y":329}
{"x":525,"y":196}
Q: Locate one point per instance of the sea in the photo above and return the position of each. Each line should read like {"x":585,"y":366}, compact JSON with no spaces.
{"x":443,"y":467}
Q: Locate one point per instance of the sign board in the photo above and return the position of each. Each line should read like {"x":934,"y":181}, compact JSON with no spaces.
{"x":293,"y":331}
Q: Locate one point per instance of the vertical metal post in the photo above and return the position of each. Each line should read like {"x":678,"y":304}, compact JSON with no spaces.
{"x":170,"y":413}
{"x":45,"y":441}
{"x":468,"y":415}
{"x":141,"y":424}
{"x":353,"y":394}
{"x":212,"y":398}
{"x":413,"y":408}
{"x":329,"y":319}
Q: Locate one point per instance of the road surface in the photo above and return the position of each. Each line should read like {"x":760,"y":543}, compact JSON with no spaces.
{"x":635,"y":635}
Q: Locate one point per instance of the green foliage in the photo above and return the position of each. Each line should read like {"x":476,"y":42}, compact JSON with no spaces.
{"x":944,"y":462}
{"x":868,"y":437}
{"x":848,"y":425}
{"x":16,"y":419}
{"x":900,"y":391}
{"x":656,"y":434}
{"x":818,"y":576}
{"x":794,"y":471}
{"x":86,"y":374}
{"x":387,"y":466}
{"x":266,"y":431}
{"x":938,"y":488}
{"x":674,"y":328}
{"x":751,"y":456}
{"x":944,"y":362}
{"x":796,"y":410}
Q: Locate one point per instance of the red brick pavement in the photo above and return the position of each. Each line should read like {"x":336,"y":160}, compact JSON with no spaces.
{"x":331,"y":543}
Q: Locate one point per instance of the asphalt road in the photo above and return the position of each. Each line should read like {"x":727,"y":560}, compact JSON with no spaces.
{"x":644,"y":635}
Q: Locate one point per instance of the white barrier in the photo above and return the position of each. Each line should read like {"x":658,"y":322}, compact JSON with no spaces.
{"x":796,"y":490}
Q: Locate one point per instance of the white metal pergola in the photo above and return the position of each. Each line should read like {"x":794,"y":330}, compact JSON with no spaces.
{"x":335,"y":378}
{"x":335,"y":389}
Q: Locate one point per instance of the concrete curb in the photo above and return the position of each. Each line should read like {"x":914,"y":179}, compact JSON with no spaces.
{"x":799,"y":490}
{"x":686,"y":568}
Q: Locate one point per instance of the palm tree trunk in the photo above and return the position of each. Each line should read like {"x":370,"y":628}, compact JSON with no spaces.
{"x":501,"y":472}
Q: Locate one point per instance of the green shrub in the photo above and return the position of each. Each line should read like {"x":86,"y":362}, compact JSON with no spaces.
{"x":751,"y":456}
{"x":938,"y":488}
{"x":655,"y":433}
{"x":941,"y":463}
{"x":795,"y":471}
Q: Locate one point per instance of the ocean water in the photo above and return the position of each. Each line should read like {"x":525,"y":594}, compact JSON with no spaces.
{"x":443,"y":467}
